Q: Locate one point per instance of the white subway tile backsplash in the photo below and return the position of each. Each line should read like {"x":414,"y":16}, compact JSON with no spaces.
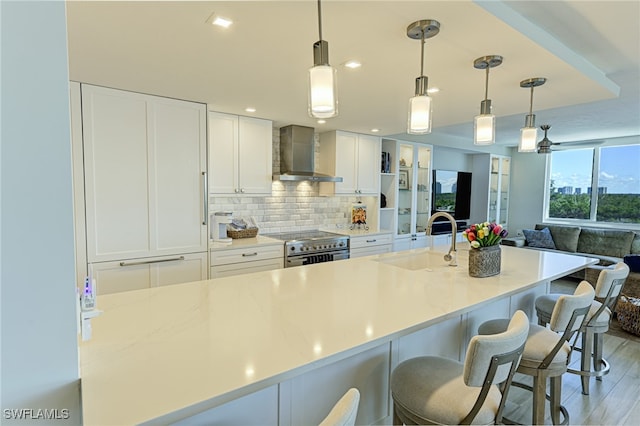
{"x":292,"y":206}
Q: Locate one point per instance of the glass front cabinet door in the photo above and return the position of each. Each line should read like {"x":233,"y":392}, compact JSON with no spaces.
{"x":490,"y":188}
{"x":414,"y":195}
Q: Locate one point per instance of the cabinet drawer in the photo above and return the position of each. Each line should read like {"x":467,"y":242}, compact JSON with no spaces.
{"x":220,"y":271}
{"x":370,"y":240}
{"x":246,"y":254}
{"x":368,"y":251}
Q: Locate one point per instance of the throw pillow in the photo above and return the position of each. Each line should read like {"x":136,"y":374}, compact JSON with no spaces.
{"x":633,"y":261}
{"x":564,"y":237}
{"x":539,"y":239}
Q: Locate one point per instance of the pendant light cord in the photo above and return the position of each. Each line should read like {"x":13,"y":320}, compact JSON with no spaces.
{"x":319,"y":20}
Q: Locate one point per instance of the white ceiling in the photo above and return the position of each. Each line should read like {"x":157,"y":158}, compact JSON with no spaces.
{"x":588,"y":50}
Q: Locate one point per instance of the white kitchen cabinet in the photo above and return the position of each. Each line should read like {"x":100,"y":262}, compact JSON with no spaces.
{"x":144,"y":175}
{"x":226,"y":262}
{"x":388,"y":186}
{"x":136,"y":274}
{"x":240,"y":151}
{"x":411,"y":242}
{"x":411,"y":201}
{"x":353,"y":157}
{"x":445,"y":239}
{"x":490,"y":188}
{"x":366,"y":245}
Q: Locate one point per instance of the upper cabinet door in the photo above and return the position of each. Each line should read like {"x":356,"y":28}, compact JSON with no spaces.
{"x":223,"y":153}
{"x":368,"y":160}
{"x":353,"y":157}
{"x":177,"y":158}
{"x":346,"y":160}
{"x":240,"y":151}
{"x":116,"y":173}
{"x":254,"y":156}
{"x":144,"y":158}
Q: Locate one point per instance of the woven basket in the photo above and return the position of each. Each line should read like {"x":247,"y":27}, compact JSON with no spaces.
{"x":628,"y":312}
{"x":242,"y":233}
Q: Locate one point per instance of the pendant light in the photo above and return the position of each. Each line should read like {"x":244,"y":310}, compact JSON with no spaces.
{"x":484,"y":125}
{"x":420,"y":108}
{"x":529,"y":133}
{"x":323,"y":81}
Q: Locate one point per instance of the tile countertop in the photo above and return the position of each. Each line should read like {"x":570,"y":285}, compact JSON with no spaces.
{"x":170,"y":352}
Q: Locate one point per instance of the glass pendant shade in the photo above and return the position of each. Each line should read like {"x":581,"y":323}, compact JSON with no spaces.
{"x":484,"y":129}
{"x":323,"y":91}
{"x":528,"y":139}
{"x":420,"y":108}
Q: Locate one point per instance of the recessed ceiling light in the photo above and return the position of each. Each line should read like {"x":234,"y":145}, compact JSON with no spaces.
{"x":250,"y":109}
{"x":322,"y":121}
{"x":220,"y":21}
{"x":375,"y":130}
{"x":433,"y":90}
{"x":353,"y":64}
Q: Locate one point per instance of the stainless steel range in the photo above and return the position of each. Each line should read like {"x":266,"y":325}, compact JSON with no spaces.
{"x":308,"y":247}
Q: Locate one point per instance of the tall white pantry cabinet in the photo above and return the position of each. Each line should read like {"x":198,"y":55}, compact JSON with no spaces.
{"x":140,"y":161}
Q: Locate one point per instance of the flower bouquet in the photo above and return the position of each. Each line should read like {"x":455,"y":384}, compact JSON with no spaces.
{"x":484,"y":256}
{"x":484,"y":234}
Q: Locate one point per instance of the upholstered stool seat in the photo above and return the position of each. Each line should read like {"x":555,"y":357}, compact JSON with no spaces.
{"x":540,"y":342}
{"x":546,"y":352}
{"x":434,"y":390}
{"x":608,"y":287}
{"x":441,"y":379}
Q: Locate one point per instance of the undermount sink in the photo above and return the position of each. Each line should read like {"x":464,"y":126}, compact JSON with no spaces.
{"x":426,"y":261}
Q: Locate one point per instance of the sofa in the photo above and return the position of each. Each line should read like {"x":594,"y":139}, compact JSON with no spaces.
{"x":609,"y":246}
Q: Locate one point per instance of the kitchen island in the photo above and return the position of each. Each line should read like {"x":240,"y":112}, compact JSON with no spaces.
{"x":280,"y":347}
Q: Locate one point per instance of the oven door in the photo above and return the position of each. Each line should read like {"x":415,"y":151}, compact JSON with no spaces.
{"x":309,"y":259}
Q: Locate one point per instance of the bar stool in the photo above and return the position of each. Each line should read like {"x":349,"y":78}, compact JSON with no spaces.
{"x":344,"y":411}
{"x":546,"y":353}
{"x":608,"y":288}
{"x":434,"y":390}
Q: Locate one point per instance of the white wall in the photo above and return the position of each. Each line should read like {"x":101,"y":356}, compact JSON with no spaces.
{"x":39,"y":355}
{"x":526,"y":191}
{"x":451,"y":159}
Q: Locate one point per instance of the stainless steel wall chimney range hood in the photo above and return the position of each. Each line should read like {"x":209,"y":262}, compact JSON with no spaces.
{"x":297,"y":156}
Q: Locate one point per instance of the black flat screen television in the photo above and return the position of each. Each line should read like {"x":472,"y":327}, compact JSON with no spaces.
{"x":451,"y":193}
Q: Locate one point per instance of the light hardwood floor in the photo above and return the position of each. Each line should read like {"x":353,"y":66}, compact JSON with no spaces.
{"x":613,"y":401}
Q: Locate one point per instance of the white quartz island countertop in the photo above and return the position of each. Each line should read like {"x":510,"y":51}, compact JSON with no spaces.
{"x":170,"y":352}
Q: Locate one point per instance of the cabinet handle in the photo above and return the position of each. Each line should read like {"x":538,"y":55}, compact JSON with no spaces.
{"x":371,"y":241}
{"x":249,"y":254}
{"x":205,"y":197}
{"x":145,"y":262}
{"x":242,"y":190}
{"x":236,"y":190}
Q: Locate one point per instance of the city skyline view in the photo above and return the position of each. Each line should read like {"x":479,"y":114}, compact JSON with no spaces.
{"x":619,"y":171}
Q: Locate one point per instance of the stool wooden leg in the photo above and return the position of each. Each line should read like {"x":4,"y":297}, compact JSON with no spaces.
{"x":585,"y":359}
{"x":555,"y":391}
{"x":597,"y":353}
{"x":539,"y":398}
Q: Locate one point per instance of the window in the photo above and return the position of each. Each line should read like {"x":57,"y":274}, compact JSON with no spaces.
{"x":595,"y":184}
